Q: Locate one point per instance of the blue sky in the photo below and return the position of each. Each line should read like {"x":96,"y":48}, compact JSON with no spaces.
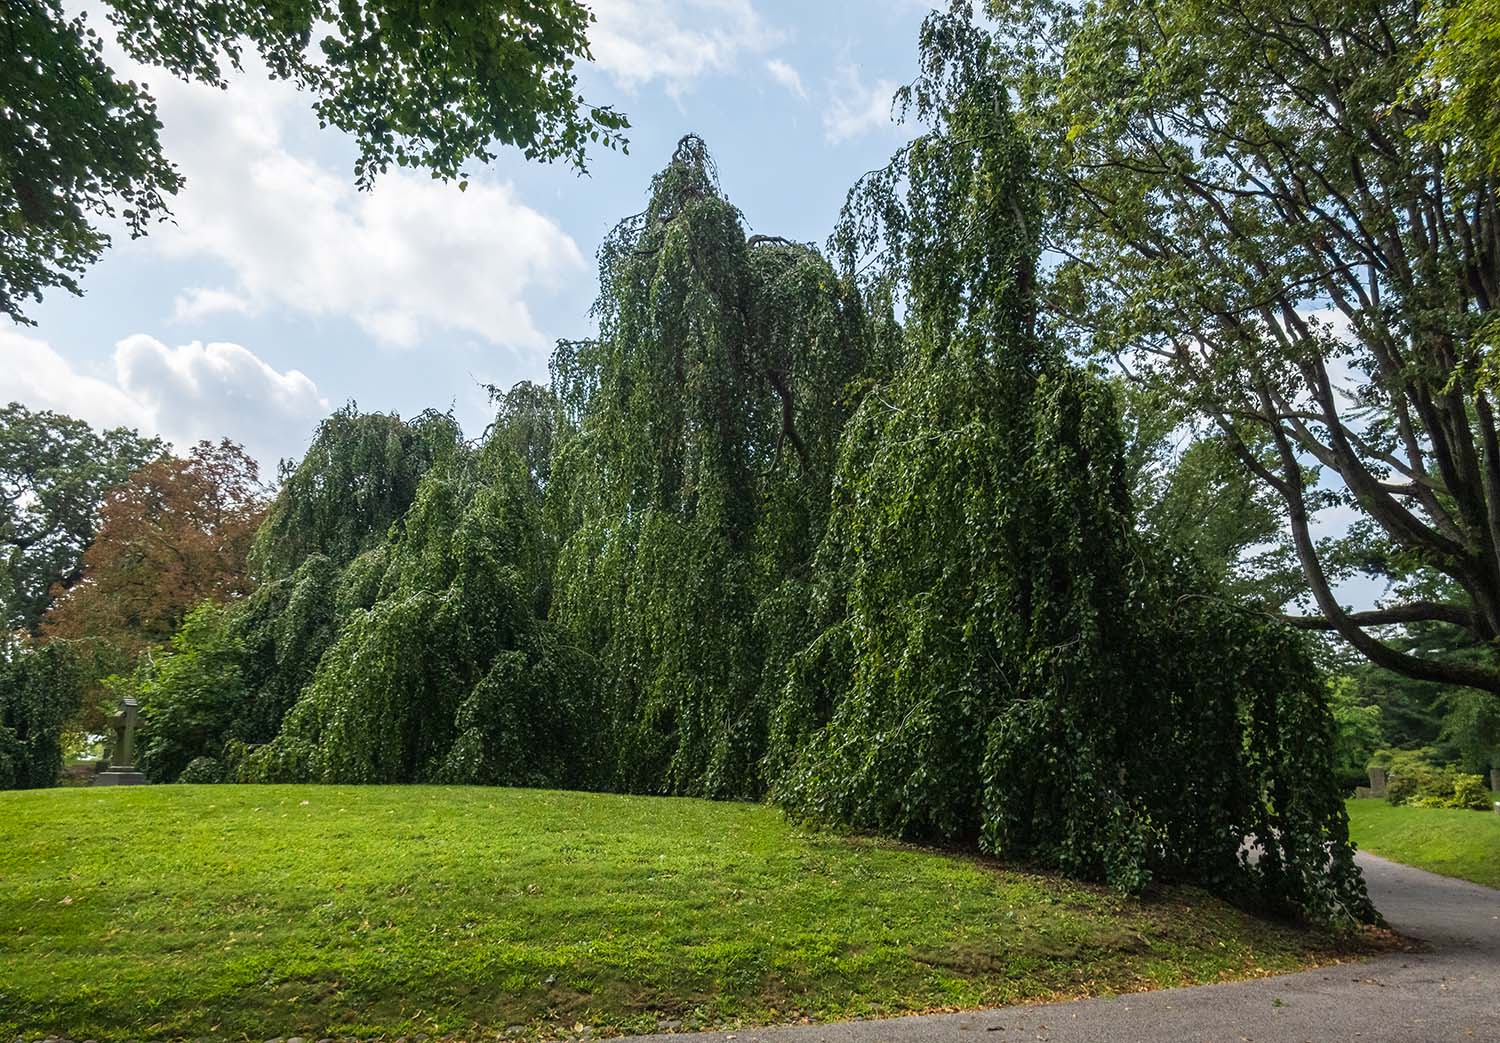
{"x":280,"y":292}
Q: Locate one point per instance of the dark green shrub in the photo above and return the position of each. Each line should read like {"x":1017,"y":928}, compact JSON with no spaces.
{"x":190,"y":693}
{"x":1414,"y":775}
{"x":1401,"y":788}
{"x":203,"y":770}
{"x":40,"y":688}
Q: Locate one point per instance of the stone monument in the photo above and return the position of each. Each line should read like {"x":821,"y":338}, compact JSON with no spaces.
{"x":121,"y":770}
{"x":1377,"y":781}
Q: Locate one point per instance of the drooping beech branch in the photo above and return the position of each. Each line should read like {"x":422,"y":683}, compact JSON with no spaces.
{"x":778,"y":379}
{"x":788,"y":416}
{"x":1414,"y":612}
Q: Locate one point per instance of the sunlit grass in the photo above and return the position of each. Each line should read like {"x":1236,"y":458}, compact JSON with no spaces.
{"x":256,"y":912}
{"x":1450,"y":841}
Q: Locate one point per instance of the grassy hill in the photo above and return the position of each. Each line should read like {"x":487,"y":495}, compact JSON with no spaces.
{"x":1450,"y":841}
{"x":257,"y":912}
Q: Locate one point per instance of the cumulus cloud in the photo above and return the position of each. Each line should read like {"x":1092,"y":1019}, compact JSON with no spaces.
{"x":411,"y":258}
{"x":675,"y":41}
{"x":787,"y":76}
{"x":855,"y":107}
{"x":34,"y":374}
{"x":198,"y":302}
{"x":190,"y":392}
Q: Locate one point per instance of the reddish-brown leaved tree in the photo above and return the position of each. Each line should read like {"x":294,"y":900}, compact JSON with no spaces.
{"x":175,"y":534}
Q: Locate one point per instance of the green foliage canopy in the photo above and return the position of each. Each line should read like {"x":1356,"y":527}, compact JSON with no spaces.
{"x":762,"y":536}
{"x":357,"y":479}
{"x":54,"y":474}
{"x":321,"y":555}
{"x":1359,"y":731}
{"x":39,"y":689}
{"x":997,"y":656}
{"x":282,"y":631}
{"x":451,"y":674}
{"x":76,"y":145}
{"x":435,"y":85}
{"x":692,"y":485}
{"x":232,"y":671}
{"x":1250,"y":216}
{"x":1457,"y":83}
{"x":1461,"y":726}
{"x":189,"y":693}
{"x":1194,"y":498}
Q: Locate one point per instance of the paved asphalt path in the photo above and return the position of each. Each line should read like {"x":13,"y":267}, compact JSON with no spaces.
{"x":1449,"y":993}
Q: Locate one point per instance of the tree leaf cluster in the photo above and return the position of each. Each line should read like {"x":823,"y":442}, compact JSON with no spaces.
{"x":173,"y":535}
{"x":55,"y":473}
{"x":39,"y":690}
{"x":1282,"y":218}
{"x":416,"y":83}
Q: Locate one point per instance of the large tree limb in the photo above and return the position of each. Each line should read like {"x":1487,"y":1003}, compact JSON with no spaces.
{"x":1342,"y":622}
{"x":1412,"y":612}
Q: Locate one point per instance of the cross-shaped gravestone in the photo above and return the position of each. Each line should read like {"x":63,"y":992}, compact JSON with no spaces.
{"x":122,"y":770}
{"x":123,"y":755}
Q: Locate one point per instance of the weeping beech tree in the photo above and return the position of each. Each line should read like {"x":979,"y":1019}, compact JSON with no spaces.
{"x":996,"y":657}
{"x":228,"y":677}
{"x":324,"y":536}
{"x":760,"y":535}
{"x":692,"y":482}
{"x":451,"y":674}
{"x":356,"y":480}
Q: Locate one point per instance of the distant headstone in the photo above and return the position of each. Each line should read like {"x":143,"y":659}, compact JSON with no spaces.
{"x":122,"y":770}
{"x":1377,"y":782}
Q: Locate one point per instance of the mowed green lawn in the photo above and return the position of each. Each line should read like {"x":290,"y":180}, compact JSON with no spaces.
{"x":1450,"y":841}
{"x":257,"y":912}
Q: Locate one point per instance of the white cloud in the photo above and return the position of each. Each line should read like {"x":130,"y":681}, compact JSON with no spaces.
{"x":675,"y":41}
{"x":184,"y":394}
{"x":35,"y":375}
{"x":787,"y":76}
{"x":198,"y":302}
{"x":856,"y":108}
{"x":412,"y":258}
